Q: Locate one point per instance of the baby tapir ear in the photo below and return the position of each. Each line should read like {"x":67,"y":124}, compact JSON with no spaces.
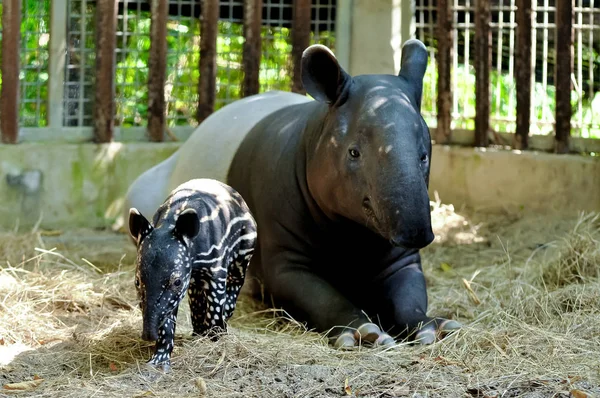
{"x":187,"y":224}
{"x":322,"y":76}
{"x":139,"y":226}
{"x":413,"y":66}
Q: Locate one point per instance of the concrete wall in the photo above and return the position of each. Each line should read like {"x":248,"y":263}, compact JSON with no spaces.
{"x":513,"y":180}
{"x":370,"y":34}
{"x":70,"y":184}
{"x":83,"y":184}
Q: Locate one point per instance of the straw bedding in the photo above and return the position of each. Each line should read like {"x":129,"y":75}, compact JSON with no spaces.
{"x":527,"y":289}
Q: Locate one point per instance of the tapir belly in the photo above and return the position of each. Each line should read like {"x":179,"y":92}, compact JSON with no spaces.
{"x":208,"y":152}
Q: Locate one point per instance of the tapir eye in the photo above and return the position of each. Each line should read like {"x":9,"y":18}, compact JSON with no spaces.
{"x":424,"y":158}
{"x":353,"y":152}
{"x":137,"y":282}
{"x":177,"y":282}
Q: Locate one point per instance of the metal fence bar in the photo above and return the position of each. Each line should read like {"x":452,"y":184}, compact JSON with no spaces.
{"x":58,"y":48}
{"x":563,"y":70}
{"x":104,"y":109}
{"x":524,"y":73}
{"x":157,"y":67}
{"x":483,"y":57}
{"x":300,"y":40}
{"x":208,"y":58}
{"x":9,"y":98}
{"x":444,"y":61}
{"x":251,"y":52}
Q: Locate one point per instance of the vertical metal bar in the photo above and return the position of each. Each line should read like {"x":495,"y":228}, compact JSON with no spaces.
{"x":524,"y":68}
{"x":251,"y":52}
{"x":300,"y":40}
{"x":58,"y":48}
{"x":208,"y":58}
{"x":579,"y":85}
{"x":9,"y":98}
{"x":81,"y":88}
{"x":157,"y":68}
{"x":106,"y":24}
{"x":483,"y":58}
{"x":444,"y":95}
{"x":563,"y":70}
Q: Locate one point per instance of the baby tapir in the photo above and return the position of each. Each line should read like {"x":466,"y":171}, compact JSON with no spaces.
{"x":201,"y":240}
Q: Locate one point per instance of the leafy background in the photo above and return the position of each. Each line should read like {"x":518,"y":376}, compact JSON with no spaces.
{"x":183,"y":41}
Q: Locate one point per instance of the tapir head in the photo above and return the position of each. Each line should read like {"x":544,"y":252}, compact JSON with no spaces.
{"x":369,"y":160}
{"x":162,"y":266}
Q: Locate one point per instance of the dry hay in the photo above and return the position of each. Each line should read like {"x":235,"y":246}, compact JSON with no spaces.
{"x":527,"y":289}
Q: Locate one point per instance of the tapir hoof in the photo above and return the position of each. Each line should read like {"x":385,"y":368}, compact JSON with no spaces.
{"x":165,"y":365}
{"x":437,"y":329}
{"x":372,"y":334}
{"x":366,"y":334}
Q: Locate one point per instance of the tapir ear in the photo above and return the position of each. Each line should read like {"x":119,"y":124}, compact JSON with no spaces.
{"x":187,"y":224}
{"x":139,"y":226}
{"x":322,"y":76}
{"x":413,"y":65}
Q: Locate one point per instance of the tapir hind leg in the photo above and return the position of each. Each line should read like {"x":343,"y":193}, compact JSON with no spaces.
{"x":402,"y":302}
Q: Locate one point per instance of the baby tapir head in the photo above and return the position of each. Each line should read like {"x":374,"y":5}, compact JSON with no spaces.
{"x":163,"y":265}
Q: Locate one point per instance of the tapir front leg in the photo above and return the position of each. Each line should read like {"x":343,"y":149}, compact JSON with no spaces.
{"x":403,"y":305}
{"x":164,"y":343}
{"x":198,"y":302}
{"x":308,"y":296}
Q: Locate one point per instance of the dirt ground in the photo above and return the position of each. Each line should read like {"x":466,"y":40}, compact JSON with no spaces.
{"x":527,"y":289}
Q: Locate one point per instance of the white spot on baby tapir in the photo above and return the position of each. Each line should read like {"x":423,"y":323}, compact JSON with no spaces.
{"x":388,"y":148}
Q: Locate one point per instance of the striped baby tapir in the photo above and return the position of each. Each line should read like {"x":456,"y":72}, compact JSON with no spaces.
{"x":200,"y":241}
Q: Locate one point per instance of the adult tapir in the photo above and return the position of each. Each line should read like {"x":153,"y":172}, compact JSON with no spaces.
{"x":339,"y":188}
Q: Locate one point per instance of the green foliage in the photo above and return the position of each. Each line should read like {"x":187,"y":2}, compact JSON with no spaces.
{"x":586,"y":121}
{"x":275,"y":73}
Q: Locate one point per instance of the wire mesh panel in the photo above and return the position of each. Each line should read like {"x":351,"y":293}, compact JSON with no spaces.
{"x":502,"y":79}
{"x":323,"y":16}
{"x":79,"y":63}
{"x":131,"y":76}
{"x":35,"y":38}
{"x":545,"y":58}
{"x":586,"y":115}
{"x":586,"y":76}
{"x":276,"y":64}
{"x":425,"y":25}
{"x":229,"y":52}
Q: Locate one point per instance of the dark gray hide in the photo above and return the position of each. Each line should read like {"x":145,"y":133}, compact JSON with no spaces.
{"x":201,"y":241}
{"x":339,"y":189}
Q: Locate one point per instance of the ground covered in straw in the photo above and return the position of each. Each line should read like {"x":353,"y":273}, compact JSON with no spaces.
{"x":527,"y":289}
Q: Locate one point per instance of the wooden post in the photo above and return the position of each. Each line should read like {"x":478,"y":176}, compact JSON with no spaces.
{"x":300,"y":40}
{"x":106,"y":24}
{"x":208,"y":58}
{"x":483,"y":60}
{"x":524,"y":71}
{"x":9,"y":98}
{"x":157,"y":67}
{"x":563,"y":70}
{"x":251,"y":52}
{"x":444,"y":61}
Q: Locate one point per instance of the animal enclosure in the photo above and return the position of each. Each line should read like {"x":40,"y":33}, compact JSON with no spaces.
{"x":65,"y":90}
